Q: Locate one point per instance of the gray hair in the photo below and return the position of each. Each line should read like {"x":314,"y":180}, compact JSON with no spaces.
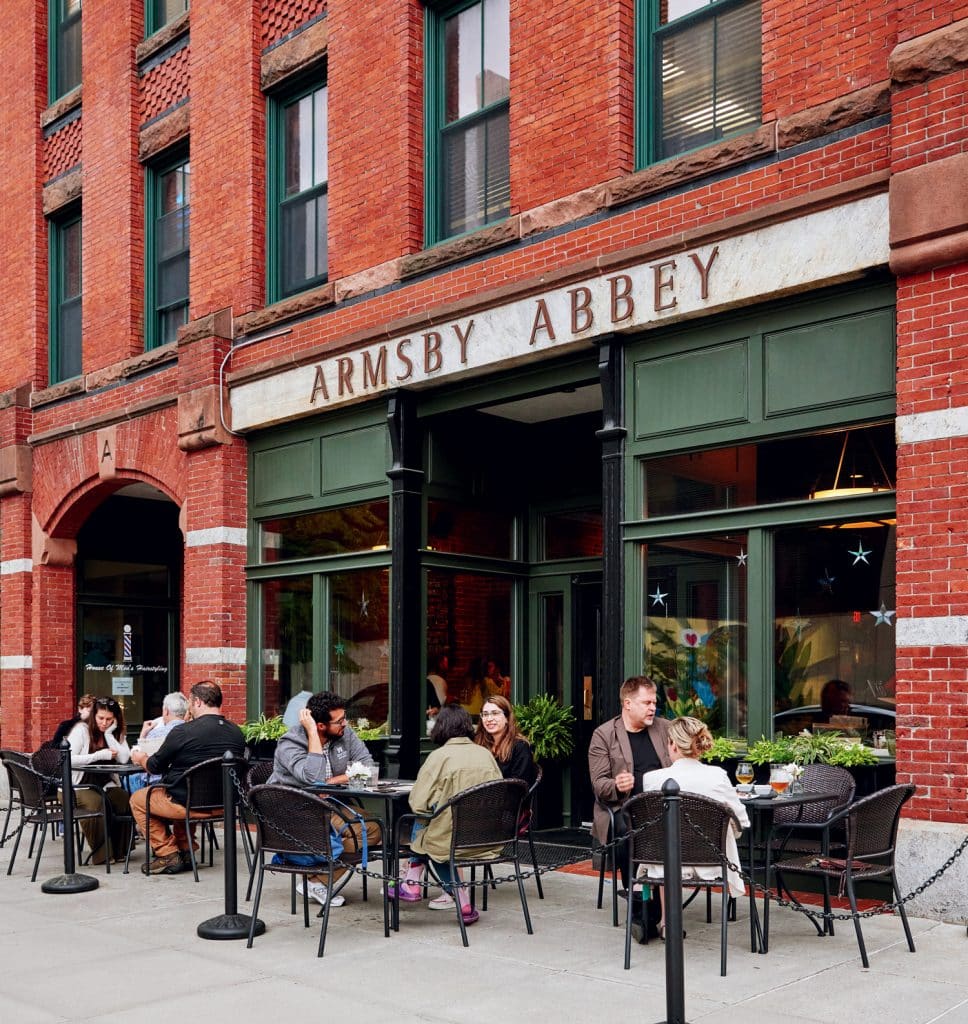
{"x":175,"y":704}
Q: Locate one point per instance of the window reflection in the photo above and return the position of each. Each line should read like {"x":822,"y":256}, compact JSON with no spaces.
{"x":695,"y":628}
{"x":359,"y":643}
{"x":483,"y":529}
{"x":287,"y":641}
{"x":333,"y":531}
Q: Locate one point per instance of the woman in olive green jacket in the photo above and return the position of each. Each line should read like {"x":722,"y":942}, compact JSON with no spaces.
{"x":457,"y":764}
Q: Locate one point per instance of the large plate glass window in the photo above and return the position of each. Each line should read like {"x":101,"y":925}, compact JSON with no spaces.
{"x":468,"y":99}
{"x":701,"y":73}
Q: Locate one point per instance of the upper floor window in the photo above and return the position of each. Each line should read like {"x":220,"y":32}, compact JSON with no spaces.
{"x":468,"y":90}
{"x":159,"y":12}
{"x":700,"y":78}
{"x":64,"y":49}
{"x":298,"y":201}
{"x":65,"y":298}
{"x":166,"y":286}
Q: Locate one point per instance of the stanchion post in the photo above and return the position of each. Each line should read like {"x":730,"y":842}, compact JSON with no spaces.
{"x":231,"y":924}
{"x":672,"y":879}
{"x":70,"y":881}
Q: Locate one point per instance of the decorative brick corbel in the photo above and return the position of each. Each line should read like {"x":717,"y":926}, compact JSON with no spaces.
{"x":199,"y":421}
{"x":51,"y":550}
{"x":16,"y":470}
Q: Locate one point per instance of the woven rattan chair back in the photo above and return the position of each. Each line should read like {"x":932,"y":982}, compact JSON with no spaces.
{"x":872,"y":823}
{"x":487,"y":815}
{"x":204,"y":784}
{"x":702,"y":830}
{"x":290,"y":821}
{"x":819,"y":778}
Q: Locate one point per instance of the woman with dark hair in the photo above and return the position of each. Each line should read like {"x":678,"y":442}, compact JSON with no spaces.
{"x":92,"y":742}
{"x":456,"y":764}
{"x":498,"y":733}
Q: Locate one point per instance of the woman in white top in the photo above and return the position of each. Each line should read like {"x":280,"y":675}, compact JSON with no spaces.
{"x":688,"y":740}
{"x":95,"y":742}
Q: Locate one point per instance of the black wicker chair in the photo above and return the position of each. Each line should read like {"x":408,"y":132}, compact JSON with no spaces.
{"x":871,"y":839}
{"x":14,"y":798}
{"x":257,"y":775}
{"x":704,"y":829}
{"x":608,"y":860}
{"x":526,"y":832}
{"x":204,"y":805}
{"x":37,"y":810}
{"x":484,"y":818}
{"x":292,"y":821}
{"x":806,"y":829}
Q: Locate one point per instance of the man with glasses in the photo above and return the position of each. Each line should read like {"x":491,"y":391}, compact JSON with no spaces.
{"x":208,"y":735}
{"x":319,"y":750}
{"x":621,"y":751}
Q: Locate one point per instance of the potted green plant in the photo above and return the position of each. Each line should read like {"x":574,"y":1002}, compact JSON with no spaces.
{"x":550,"y":728}
{"x":262,"y":734}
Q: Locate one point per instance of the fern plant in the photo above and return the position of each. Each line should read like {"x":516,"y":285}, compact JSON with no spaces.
{"x":549,"y":725}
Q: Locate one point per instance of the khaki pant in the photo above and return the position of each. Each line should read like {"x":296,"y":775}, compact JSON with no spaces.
{"x":350,"y":845}
{"x":168,"y":833}
{"x":93,"y":828}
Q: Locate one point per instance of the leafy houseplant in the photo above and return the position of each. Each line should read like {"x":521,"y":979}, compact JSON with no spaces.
{"x":261,"y":735}
{"x":776,"y":751}
{"x":723,"y":749}
{"x":549,"y":725}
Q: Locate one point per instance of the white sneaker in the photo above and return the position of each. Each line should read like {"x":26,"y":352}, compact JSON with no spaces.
{"x":319,"y":893}
{"x":442,"y":902}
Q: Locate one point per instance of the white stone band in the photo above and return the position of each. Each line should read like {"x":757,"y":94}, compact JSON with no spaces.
{"x":934,"y":631}
{"x":216,"y":535}
{"x":932,"y":426}
{"x":12,"y":661}
{"x":215,"y":655}
{"x":16,"y":565}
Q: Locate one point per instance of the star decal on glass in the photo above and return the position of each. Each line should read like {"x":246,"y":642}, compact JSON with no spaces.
{"x":827,"y":581}
{"x":883,"y":616}
{"x":799,"y":625}
{"x":860,"y":555}
{"x":340,"y":648}
{"x":384,"y":649}
{"x":658,"y":597}
{"x":741,"y":557}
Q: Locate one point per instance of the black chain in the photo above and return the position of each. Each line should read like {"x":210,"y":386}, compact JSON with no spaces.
{"x":883,"y":908}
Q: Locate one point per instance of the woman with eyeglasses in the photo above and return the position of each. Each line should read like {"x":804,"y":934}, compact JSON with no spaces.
{"x":95,"y":741}
{"x":498,"y":733}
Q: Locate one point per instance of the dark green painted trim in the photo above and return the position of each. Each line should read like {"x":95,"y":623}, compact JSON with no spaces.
{"x":54,"y":21}
{"x":55,"y":277}
{"x":153,"y":175}
{"x":152,"y":20}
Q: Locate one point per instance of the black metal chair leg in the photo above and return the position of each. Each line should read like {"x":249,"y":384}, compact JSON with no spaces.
{"x":901,"y":911}
{"x":860,"y":935}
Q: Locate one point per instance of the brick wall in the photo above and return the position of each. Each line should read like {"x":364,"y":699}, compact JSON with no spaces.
{"x":165,"y":84}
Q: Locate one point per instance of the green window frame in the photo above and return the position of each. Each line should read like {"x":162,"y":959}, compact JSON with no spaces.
{"x":698,"y":74}
{"x":63,"y":47}
{"x":167,"y":249}
{"x":159,"y":12}
{"x":467,"y":106}
{"x":297,"y":190}
{"x":65,"y":290}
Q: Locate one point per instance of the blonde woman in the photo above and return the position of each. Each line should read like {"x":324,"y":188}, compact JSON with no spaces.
{"x":688,"y":740}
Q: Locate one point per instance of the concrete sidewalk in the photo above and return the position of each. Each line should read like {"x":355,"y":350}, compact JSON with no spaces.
{"x":129,"y":952}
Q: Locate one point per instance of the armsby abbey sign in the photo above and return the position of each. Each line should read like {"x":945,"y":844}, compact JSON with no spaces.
{"x":822,"y":247}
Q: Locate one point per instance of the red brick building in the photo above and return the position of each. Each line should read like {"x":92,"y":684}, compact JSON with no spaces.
{"x":553,"y":342}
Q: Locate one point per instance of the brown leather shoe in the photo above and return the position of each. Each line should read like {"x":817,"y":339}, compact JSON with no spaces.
{"x":169,"y":865}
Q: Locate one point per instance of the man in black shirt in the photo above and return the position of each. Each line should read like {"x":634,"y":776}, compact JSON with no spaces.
{"x":207,"y":735}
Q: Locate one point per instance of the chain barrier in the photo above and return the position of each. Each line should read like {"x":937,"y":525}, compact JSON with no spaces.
{"x":884,"y":908}
{"x":379,"y":876}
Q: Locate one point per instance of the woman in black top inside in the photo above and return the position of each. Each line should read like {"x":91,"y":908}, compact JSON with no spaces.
{"x":498,"y":732}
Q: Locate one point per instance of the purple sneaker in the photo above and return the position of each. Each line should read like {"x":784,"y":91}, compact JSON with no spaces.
{"x":469,"y":914}
{"x":410,"y":892}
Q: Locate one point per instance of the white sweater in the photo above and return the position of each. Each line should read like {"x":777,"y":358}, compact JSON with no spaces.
{"x":80,"y":740}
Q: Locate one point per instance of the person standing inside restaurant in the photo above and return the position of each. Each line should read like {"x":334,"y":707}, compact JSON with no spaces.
{"x":319,"y":750}
{"x":688,"y":740}
{"x":208,"y":735}
{"x":101,"y":740}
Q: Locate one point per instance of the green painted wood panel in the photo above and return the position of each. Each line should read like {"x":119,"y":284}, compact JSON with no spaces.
{"x":699,"y":388}
{"x":354,"y":458}
{"x":828,"y":363}
{"x":283,"y":473}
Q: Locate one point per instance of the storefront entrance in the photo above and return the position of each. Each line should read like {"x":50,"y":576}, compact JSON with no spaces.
{"x":129,"y":557}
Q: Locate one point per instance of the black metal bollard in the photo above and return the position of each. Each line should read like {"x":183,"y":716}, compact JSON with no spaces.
{"x":231,"y":924}
{"x":672,"y":876}
{"x":70,"y":881}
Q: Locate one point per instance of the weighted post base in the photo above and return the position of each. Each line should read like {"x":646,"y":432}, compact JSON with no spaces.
{"x":229,"y":926}
{"x":70,"y":884}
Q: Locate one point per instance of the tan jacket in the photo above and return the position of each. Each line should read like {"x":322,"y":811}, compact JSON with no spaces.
{"x":448,"y":770}
{"x":610,"y":753}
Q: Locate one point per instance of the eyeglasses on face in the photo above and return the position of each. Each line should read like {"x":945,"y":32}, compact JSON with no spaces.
{"x":338,"y":721}
{"x":492,"y":714}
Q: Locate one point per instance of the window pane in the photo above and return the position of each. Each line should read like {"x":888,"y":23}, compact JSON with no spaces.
{"x":68,"y":46}
{"x":168,"y":10}
{"x":334,"y":531}
{"x":576,"y":534}
{"x":835,"y":617}
{"x":303,"y":254}
{"x":477,"y":184}
{"x":71,"y":255}
{"x":470,"y":529}
{"x":694,"y":635}
{"x":359,"y":643}
{"x":170,"y":321}
{"x":69,"y":341}
{"x":670,"y":10}
{"x":462,"y":63}
{"x":710,"y":79}
{"x":123,"y":579}
{"x":860,"y":460}
{"x":320,"y":136}
{"x":469,"y":619}
{"x":287,"y":641}
{"x":497,"y":51}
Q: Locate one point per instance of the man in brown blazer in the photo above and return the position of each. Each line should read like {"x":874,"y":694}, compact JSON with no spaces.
{"x":621,"y":751}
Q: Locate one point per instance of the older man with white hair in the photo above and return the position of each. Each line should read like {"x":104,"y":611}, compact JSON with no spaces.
{"x":174,"y":708}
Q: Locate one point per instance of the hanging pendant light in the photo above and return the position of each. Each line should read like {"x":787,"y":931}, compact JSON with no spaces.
{"x":857,"y":482}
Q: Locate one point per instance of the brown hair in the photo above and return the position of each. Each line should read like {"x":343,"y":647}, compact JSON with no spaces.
{"x":98,"y":742}
{"x":500,"y":746}
{"x":691,"y":736}
{"x":87,"y":701}
{"x":633,"y":684}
